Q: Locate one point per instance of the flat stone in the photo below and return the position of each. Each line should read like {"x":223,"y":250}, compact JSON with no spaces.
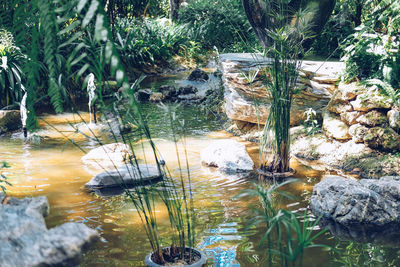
{"x":106,"y":156}
{"x":26,"y":241}
{"x":10,"y":120}
{"x":251,"y":103}
{"x":335,"y":128}
{"x":126,"y":175}
{"x":350,"y":91}
{"x":227,"y":155}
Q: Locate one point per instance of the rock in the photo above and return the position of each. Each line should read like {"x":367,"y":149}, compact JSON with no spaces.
{"x":334,"y":127}
{"x":10,"y":120}
{"x":357,"y":132}
{"x":115,"y":154}
{"x":383,"y":138}
{"x":26,"y":241}
{"x":186,"y":90}
{"x":240,"y":97}
{"x":372,"y":99}
{"x":366,"y":203}
{"x":157,"y":97}
{"x":339,"y":107}
{"x":126,"y":175}
{"x":350,"y":118}
{"x":373,"y":118}
{"x":394,"y":119}
{"x":227,"y":155}
{"x":350,"y":91}
{"x":143,"y":94}
{"x":198,"y":75}
{"x":168,"y":91}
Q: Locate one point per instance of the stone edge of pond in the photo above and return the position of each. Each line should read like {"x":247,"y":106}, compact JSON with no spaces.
{"x":26,"y":241}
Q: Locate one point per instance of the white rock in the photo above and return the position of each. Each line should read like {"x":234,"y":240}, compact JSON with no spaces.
{"x":227,"y":155}
{"x":334,"y":127}
{"x":106,"y":156}
{"x":394,"y":119}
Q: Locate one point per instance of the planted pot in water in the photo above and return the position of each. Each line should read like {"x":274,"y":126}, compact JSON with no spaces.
{"x":173,"y":259}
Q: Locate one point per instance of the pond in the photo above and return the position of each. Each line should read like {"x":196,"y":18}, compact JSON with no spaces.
{"x":54,"y":168}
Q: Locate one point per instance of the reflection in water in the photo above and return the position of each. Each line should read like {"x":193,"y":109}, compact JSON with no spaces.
{"x":54,"y":169}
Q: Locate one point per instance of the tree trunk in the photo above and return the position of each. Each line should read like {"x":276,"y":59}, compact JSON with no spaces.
{"x":173,"y":9}
{"x":257,"y":12}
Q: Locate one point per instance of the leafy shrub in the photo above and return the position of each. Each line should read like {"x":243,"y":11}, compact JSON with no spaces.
{"x":143,"y":41}
{"x":10,"y":70}
{"x":220,"y":23}
{"x":373,"y":50}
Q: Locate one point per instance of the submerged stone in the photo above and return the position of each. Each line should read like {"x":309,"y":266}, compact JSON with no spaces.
{"x":227,"y":155}
{"x":26,"y":241}
{"x":125,"y":176}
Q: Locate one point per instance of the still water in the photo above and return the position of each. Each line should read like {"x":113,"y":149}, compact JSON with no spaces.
{"x":53,"y":167}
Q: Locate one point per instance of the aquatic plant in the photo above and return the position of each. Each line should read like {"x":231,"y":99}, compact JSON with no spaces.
{"x":287,"y":234}
{"x":280,"y":81}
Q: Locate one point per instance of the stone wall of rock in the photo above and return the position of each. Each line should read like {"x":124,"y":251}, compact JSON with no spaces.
{"x":319,"y":79}
{"x":365,"y":115}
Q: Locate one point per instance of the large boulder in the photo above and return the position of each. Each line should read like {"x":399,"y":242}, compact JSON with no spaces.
{"x":250,"y":102}
{"x":357,"y":132}
{"x":385,"y":139}
{"x":106,"y":156}
{"x":372,"y":99}
{"x":126,"y":176}
{"x":10,"y":120}
{"x":368,"y":202}
{"x":26,"y":241}
{"x":228,"y":156}
{"x":373,"y":118}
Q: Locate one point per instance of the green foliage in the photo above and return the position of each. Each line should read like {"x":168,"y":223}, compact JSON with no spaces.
{"x":146,"y":41}
{"x":287,"y":234}
{"x":220,"y":23}
{"x":311,"y":123}
{"x":372,"y":52}
{"x":11,"y":88}
{"x":280,"y":81}
{"x":3,"y":178}
{"x":339,"y":26}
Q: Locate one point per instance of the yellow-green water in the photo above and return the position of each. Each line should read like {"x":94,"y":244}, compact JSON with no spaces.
{"x":54,"y":169}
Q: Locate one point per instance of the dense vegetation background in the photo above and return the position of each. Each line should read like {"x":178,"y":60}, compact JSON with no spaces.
{"x":49,"y":47}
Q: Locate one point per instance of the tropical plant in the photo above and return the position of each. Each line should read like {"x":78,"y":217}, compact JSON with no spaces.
{"x":220,"y":23}
{"x":143,"y":42}
{"x":287,"y":234}
{"x":280,"y":81}
{"x":372,"y":51}
{"x":11,"y":76}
